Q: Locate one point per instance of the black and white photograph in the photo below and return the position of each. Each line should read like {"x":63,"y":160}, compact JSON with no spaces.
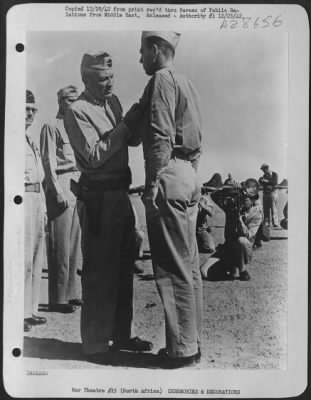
{"x":149,"y":250}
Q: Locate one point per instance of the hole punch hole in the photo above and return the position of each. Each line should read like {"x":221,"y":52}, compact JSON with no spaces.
{"x":16,"y":352}
{"x":18,"y":199}
{"x":20,"y":47}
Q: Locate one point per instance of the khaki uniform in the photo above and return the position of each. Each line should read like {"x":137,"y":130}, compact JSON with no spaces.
{"x":34,"y":227}
{"x":171,"y":135}
{"x":64,"y":249}
{"x":99,"y":141}
{"x":240,"y":248}
{"x":270,"y":197}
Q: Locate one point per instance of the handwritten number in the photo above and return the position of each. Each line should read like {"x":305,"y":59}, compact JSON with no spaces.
{"x":245,"y":22}
{"x":256,"y":24}
{"x":265,"y":20}
{"x":277,"y":22}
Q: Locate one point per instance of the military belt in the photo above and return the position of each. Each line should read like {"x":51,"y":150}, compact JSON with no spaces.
{"x":32,"y":187}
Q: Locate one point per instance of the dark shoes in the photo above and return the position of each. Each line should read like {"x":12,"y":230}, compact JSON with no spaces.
{"x":100,"y":358}
{"x":197,"y":356}
{"x":76,"y":302}
{"x":244,"y":276}
{"x":34,"y":320}
{"x":165,"y":362}
{"x":27,"y":326}
{"x":257,"y":244}
{"x":62,"y":308}
{"x":133,"y":344}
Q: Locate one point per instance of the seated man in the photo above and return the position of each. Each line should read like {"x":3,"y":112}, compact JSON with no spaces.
{"x":240,"y":232}
{"x":205,"y":239}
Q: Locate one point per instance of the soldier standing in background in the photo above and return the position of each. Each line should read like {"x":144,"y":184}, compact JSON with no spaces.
{"x":269,"y":180}
{"x":34,"y":222}
{"x":64,"y":249}
{"x":100,"y":140}
{"x":171,"y":136}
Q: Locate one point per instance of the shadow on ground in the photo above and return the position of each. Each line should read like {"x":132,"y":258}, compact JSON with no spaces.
{"x":54,"y":349}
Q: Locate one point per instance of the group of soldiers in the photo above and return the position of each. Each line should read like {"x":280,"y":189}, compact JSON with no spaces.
{"x":91,"y":221}
{"x":247,"y":224}
{"x":84,"y":154}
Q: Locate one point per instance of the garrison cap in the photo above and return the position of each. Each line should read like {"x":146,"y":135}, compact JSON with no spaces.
{"x":30,"y":98}
{"x":264,"y":166}
{"x":171,"y":37}
{"x":95,"y":62}
{"x":68,"y":91}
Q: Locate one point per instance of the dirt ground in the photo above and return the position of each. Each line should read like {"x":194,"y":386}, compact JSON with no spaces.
{"x":245,"y":323}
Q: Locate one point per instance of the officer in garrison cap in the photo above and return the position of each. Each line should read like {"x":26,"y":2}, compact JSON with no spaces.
{"x":100,"y":138}
{"x":64,"y":250}
{"x":34,"y":204}
{"x":171,"y":136}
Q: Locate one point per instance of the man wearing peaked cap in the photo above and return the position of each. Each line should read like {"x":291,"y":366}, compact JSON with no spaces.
{"x":34,"y":221}
{"x":171,"y":136}
{"x":64,"y":250}
{"x":268,"y":181}
{"x":100,"y":138}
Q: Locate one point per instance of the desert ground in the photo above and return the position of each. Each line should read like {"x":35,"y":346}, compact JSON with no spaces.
{"x":245,"y":323}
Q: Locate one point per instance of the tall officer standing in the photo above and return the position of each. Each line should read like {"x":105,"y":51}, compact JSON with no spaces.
{"x":64,"y":250}
{"x":100,"y":139}
{"x":34,"y":221}
{"x":171,"y":136}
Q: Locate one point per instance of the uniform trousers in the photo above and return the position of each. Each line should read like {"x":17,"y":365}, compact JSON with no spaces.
{"x":269,"y":208}
{"x":34,"y":244}
{"x":205,"y":240}
{"x":107,"y":277}
{"x":242,"y":250}
{"x":175,"y":258}
{"x":64,"y":249}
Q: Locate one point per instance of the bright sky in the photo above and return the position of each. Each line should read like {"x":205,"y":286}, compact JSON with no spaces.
{"x":242,"y":79}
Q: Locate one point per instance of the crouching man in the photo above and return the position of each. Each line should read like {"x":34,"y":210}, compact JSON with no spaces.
{"x":240,"y":232}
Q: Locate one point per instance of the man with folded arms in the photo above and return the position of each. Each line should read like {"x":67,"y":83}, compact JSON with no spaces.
{"x":100,"y":139}
{"x":64,"y":250}
{"x":34,"y":221}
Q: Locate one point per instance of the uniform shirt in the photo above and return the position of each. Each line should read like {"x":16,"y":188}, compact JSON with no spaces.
{"x":272,"y":180}
{"x":172,"y":122}
{"x":57,"y":153}
{"x":206,"y":210}
{"x":33,"y":167}
{"x":98,"y":138}
{"x":252,"y":221}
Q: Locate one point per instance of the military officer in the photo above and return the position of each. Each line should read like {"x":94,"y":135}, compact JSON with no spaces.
{"x":64,"y":250}
{"x":171,"y":137}
{"x":34,"y":221}
{"x":100,"y":138}
{"x":268,"y":181}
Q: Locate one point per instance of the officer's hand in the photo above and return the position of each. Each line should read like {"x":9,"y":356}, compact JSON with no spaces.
{"x":148,"y":198}
{"x":62,"y":202}
{"x":133,"y":116}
